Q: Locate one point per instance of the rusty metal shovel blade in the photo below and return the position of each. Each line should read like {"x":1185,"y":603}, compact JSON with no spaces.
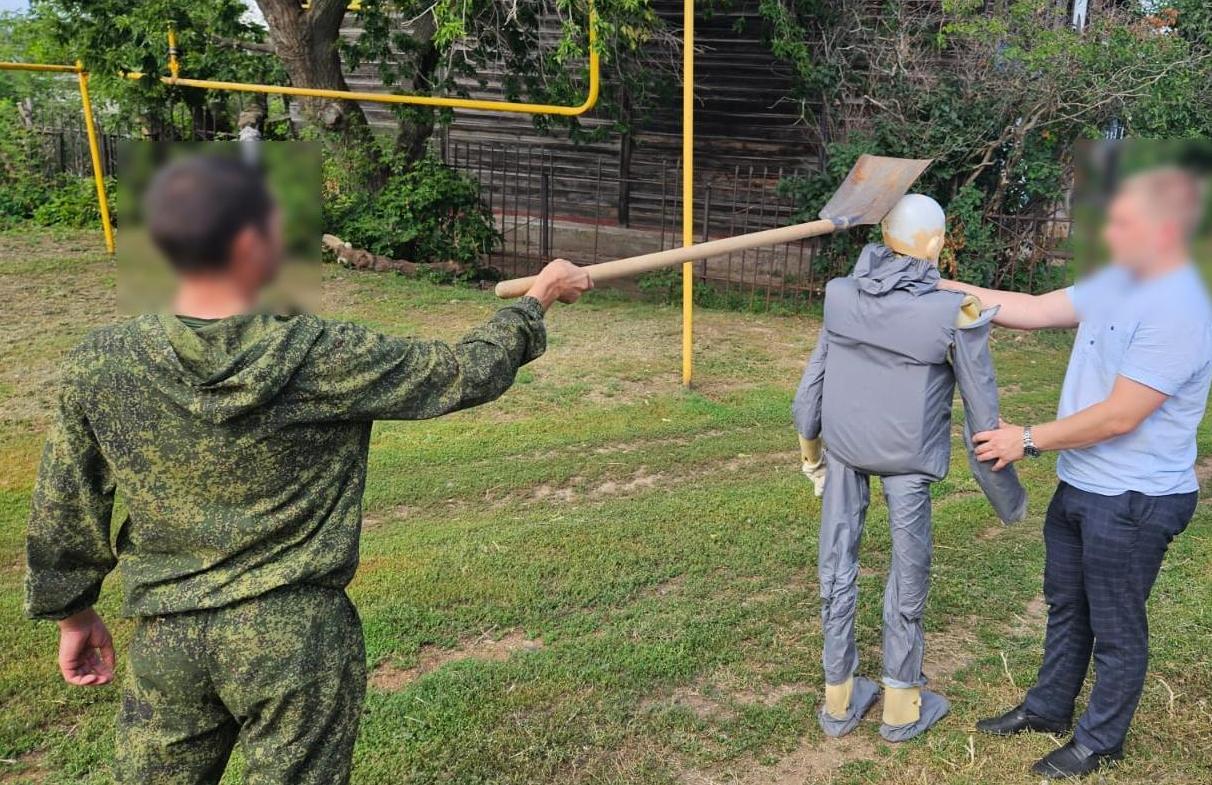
{"x":872,"y":189}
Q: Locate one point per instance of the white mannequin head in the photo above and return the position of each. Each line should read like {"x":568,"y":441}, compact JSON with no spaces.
{"x":916,"y":226}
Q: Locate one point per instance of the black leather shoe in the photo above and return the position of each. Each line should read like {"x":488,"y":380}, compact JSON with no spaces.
{"x":1019,"y":720}
{"x":1073,"y":760}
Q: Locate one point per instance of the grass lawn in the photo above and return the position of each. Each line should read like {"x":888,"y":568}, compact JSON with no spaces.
{"x":604,"y":578}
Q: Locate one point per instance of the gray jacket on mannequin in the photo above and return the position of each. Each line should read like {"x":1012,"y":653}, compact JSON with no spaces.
{"x":880,"y":384}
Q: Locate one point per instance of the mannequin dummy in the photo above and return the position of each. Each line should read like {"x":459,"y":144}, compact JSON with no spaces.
{"x":878,"y":393}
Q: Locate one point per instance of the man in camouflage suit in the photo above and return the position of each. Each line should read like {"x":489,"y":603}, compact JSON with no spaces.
{"x":239,"y":442}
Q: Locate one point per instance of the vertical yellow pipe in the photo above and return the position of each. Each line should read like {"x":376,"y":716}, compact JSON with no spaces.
{"x":688,"y":191}
{"x":94,"y":150}
{"x":174,"y":65}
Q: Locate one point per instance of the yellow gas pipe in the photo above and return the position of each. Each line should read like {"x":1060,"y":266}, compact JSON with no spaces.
{"x":595,"y":86}
{"x":688,"y":191}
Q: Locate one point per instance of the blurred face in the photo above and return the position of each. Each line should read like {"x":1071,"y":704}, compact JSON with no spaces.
{"x":256,"y":255}
{"x":1136,"y":237}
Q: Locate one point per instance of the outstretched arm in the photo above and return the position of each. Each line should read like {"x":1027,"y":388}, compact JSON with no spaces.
{"x":360,"y":374}
{"x":1022,"y":311}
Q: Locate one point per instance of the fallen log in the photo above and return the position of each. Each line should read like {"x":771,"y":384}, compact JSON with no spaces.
{"x":348,"y":256}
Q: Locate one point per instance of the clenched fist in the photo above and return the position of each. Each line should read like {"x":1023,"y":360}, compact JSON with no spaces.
{"x":560,"y":280}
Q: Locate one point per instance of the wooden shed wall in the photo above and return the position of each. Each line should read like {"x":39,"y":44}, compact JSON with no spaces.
{"x":744,"y":125}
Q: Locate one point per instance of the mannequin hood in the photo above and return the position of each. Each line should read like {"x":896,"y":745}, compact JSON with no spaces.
{"x":880,"y":270}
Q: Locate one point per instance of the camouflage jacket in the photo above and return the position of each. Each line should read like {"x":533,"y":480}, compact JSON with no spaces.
{"x":239,"y":449}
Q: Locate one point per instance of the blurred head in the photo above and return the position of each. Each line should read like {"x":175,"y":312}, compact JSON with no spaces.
{"x":214,"y":216}
{"x":916,"y":226}
{"x":1152,"y":219}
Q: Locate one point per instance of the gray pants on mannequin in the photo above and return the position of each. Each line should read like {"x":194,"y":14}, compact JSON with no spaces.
{"x":843,"y":515}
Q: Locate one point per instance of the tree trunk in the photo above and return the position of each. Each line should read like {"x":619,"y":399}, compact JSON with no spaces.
{"x":306,"y":42}
{"x":417,"y":123}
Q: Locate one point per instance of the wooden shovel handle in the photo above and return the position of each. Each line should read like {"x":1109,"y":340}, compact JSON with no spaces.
{"x":634,"y":265}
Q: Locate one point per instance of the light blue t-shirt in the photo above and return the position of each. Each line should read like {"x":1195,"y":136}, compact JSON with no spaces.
{"x":1157,"y":332}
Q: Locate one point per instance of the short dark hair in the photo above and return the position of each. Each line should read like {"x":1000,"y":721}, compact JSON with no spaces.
{"x":196,"y":206}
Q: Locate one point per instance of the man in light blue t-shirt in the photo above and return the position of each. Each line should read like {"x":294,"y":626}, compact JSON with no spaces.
{"x":1133,"y":397}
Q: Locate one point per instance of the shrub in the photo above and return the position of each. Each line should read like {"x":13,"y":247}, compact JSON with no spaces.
{"x":22,"y":184}
{"x":72,"y":203}
{"x":424,"y":212}
{"x":27,"y":192}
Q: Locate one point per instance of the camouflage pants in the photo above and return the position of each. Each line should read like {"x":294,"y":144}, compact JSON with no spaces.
{"x":283,"y":674}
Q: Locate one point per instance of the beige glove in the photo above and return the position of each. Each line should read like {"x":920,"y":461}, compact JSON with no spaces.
{"x":812,"y":454}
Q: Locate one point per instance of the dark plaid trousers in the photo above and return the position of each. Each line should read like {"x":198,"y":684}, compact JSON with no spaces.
{"x":1103,"y":554}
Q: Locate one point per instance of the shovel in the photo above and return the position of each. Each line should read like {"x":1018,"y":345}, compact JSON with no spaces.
{"x":870,"y":191}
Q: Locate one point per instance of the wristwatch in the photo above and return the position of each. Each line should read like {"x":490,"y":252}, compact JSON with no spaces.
{"x":1029,"y":448}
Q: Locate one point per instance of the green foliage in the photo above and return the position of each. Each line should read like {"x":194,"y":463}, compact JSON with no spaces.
{"x":424,"y":212}
{"x":56,"y":98}
{"x":996,"y":97}
{"x":113,"y":37}
{"x":661,"y":285}
{"x":453,"y":43}
{"x":791,"y":26}
{"x":72,"y":203}
{"x":27,"y":192}
{"x":22,"y":185}
{"x":972,"y":239}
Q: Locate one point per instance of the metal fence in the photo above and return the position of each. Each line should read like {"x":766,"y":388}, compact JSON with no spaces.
{"x":63,"y":150}
{"x":547,"y":207}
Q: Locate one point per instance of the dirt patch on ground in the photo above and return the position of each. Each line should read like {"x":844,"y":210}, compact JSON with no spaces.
{"x":548,"y":493}
{"x":399,"y":514}
{"x":673,"y":441}
{"x":26,"y":768}
{"x":703,"y":704}
{"x":1032,"y":619}
{"x":808,"y":763}
{"x":578,"y":488}
{"x":947,"y":653}
{"x":638,"y":481}
{"x":951,"y":650}
{"x":711,"y":702}
{"x":391,"y":678}
{"x":991,"y":532}
{"x":666,"y":588}
{"x":632,"y":445}
{"x":771,"y":696}
{"x":1203,"y":470}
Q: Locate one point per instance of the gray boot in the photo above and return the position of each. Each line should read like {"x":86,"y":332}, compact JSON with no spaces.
{"x":863,"y":697}
{"x":934,"y":708}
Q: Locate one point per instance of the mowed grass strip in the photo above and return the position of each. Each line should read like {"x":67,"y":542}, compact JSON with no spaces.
{"x":603,"y":578}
